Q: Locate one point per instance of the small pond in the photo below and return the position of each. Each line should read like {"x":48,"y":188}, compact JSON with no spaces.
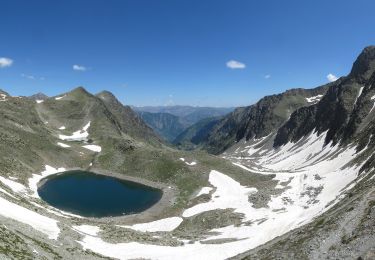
{"x":93,"y":195}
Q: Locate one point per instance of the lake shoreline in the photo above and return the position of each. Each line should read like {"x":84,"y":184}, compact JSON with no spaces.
{"x":153,"y":213}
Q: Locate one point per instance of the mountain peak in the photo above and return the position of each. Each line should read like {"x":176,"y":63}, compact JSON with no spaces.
{"x":364,"y":65}
{"x":80,"y":89}
{"x":105,"y":94}
{"x":38,"y":96}
{"x":108,"y":97}
{"x":79,"y":93}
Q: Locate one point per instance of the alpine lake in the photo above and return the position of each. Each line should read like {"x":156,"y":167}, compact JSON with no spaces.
{"x":92,"y":195}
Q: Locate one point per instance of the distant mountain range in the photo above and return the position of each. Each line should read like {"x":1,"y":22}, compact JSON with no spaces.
{"x":170,"y":121}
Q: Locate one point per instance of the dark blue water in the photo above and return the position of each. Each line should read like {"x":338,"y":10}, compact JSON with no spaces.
{"x":92,"y":195}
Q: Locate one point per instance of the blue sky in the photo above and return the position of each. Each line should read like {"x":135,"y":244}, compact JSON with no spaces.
{"x":160,"y":52}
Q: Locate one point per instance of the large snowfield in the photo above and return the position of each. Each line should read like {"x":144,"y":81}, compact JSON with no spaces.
{"x":312,"y":178}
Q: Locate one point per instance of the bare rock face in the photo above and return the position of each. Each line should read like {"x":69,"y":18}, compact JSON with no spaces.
{"x":364,"y":66}
{"x":345,"y":108}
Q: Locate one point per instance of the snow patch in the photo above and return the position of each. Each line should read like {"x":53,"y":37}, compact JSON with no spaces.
{"x":61,"y":97}
{"x":190,"y":164}
{"x":62,"y":128}
{"x":162,"y":225}
{"x":94,"y":148}
{"x":39,"y":101}
{"x":7,"y":193}
{"x":359,"y":94}
{"x":229,"y":194}
{"x":204,"y":190}
{"x":87,"y":229}
{"x":63,"y":145}
{"x":373,"y":106}
{"x":80,"y":135}
{"x":41,"y":223}
{"x":14,"y":186}
{"x":314,"y":99}
{"x":3,"y":97}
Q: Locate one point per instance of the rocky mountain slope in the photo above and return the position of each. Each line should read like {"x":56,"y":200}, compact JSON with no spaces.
{"x":258,"y":120}
{"x":192,"y":137}
{"x":343,"y":120}
{"x":129,"y":122}
{"x":345,"y":111}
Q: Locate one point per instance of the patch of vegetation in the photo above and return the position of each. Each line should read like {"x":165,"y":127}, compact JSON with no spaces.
{"x":46,"y":247}
{"x":13,"y":246}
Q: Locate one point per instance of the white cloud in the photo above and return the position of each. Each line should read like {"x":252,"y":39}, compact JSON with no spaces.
{"x":267,"y":76}
{"x":233,"y":64}
{"x":5,"y":62}
{"x":79,"y":67}
{"x":27,"y":76}
{"x":32,"y":77}
{"x":331,"y":77}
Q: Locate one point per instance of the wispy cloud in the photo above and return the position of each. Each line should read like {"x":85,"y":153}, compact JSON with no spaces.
{"x":79,"y":67}
{"x":5,"y":62}
{"x":331,"y":77}
{"x":267,"y":76}
{"x":27,"y":76}
{"x":32,"y":77}
{"x":233,"y":64}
